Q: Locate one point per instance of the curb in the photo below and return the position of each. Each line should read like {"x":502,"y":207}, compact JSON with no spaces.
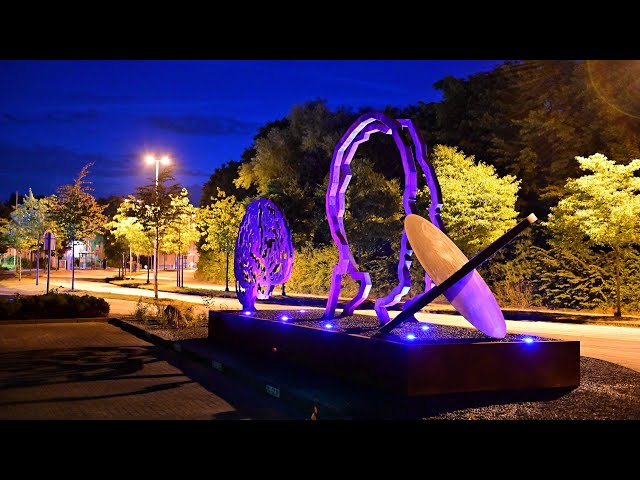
{"x":223,"y":363}
{"x":56,"y":320}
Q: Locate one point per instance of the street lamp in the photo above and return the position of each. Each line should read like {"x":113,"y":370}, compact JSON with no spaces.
{"x":165,"y":160}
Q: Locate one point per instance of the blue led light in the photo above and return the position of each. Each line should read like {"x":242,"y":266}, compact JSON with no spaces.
{"x":284,"y":317}
{"x":424,"y":328}
{"x":247,"y":312}
{"x":527,"y":340}
{"x":302,"y":311}
{"x":411,"y":336}
{"x":328,"y":325}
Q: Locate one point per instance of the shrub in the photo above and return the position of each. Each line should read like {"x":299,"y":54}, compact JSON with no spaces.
{"x":141,"y":311}
{"x":53,"y":305}
{"x":212,"y":267}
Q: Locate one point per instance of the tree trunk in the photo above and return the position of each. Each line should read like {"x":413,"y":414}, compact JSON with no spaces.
{"x":283,"y":291}
{"x":155,"y":265}
{"x":618,"y":312}
{"x":177,"y":272}
{"x":19,"y":266}
{"x":148,"y":269}
{"x":226,"y":288}
{"x":37,"y":264}
{"x":73,"y":262}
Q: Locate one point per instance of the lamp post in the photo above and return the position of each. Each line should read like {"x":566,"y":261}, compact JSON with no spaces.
{"x":164,"y":160}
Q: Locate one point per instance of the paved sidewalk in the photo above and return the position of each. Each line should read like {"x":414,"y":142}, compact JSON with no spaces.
{"x":97,"y":371}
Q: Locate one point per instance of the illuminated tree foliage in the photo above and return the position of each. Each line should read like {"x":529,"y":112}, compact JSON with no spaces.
{"x":28,"y":224}
{"x":478,"y":204}
{"x":219,"y":223}
{"x":182,"y":230}
{"x":602,"y":210}
{"x":77,"y":213}
{"x":129,"y":230}
{"x":152,"y":207}
{"x":530,"y":119}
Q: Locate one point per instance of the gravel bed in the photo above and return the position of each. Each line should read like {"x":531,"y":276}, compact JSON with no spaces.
{"x":607,"y":392}
{"x":366,"y":325}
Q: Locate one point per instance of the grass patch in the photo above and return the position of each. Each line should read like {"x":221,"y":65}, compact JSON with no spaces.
{"x":163,"y":287}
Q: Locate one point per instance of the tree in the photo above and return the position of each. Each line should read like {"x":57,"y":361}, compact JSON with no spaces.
{"x":600,"y":210}
{"x":77,"y":213}
{"x":152,"y":207}
{"x":28,"y":224}
{"x":373,"y":207}
{"x":4,"y":244}
{"x":130,"y":231}
{"x":291,"y":160}
{"x":530,"y":119}
{"x":219,"y":223}
{"x":182,"y":231}
{"x":112,"y":246}
{"x":478,"y":204}
{"x":222,"y":178}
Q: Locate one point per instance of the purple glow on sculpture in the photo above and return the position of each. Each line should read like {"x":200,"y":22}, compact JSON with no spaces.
{"x":339,"y":178}
{"x":263,"y":253}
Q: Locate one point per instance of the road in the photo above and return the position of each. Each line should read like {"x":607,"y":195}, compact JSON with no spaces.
{"x":619,"y":345}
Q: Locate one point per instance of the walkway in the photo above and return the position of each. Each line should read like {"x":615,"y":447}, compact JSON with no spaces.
{"x":97,"y":371}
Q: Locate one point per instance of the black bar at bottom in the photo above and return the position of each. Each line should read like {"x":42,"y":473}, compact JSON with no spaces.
{"x":467,"y":268}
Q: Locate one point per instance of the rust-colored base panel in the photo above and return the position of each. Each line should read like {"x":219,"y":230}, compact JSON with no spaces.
{"x":411,"y":369}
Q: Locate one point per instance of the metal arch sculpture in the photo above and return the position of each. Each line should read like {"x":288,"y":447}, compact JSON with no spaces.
{"x":263,"y":252}
{"x":411,"y":149}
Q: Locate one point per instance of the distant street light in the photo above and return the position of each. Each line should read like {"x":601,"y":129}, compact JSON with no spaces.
{"x":165,"y":160}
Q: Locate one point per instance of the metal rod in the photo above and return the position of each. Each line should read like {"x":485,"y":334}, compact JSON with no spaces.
{"x":467,"y":268}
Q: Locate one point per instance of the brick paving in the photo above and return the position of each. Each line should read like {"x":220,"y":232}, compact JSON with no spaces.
{"x":97,"y":371}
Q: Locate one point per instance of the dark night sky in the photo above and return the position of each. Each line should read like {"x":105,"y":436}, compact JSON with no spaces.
{"x":56,"y":116}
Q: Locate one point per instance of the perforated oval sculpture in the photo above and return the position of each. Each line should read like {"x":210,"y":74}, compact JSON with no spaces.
{"x":263,"y":254}
{"x":412,"y":148}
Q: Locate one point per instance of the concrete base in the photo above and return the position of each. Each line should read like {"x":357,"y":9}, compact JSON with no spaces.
{"x":410,"y":369}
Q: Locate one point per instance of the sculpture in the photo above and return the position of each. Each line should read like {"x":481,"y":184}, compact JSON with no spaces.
{"x":452,"y":273}
{"x":263,"y":252}
{"x":456,"y":276}
{"x":339,"y":178}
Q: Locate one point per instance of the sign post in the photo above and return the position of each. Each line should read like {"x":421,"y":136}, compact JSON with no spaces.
{"x":49,"y":244}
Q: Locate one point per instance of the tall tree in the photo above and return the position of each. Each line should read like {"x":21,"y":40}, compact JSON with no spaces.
{"x":219,"y":223}
{"x":223,"y":178}
{"x":477,"y":204}
{"x":129,"y":230}
{"x":77,"y":213}
{"x":601,"y":209}
{"x":29,"y":222}
{"x":530,"y":119}
{"x":182,"y":231}
{"x":292,"y":159}
{"x":151,"y":205}
{"x":373,"y":209}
